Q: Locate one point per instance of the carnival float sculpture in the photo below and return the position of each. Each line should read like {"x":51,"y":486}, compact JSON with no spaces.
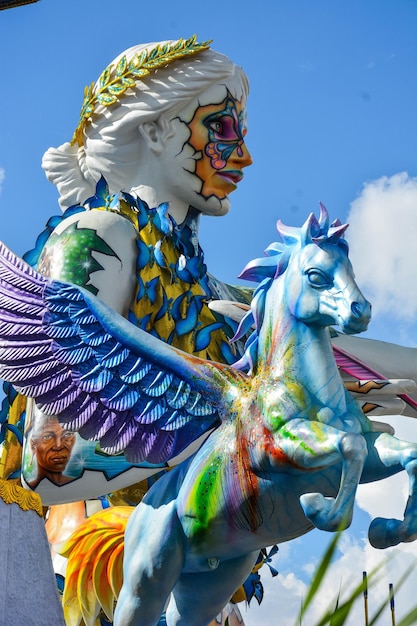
{"x":121,"y":340}
{"x":288,"y":444}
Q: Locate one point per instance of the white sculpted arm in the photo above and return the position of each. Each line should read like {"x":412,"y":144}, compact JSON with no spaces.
{"x":97,"y":250}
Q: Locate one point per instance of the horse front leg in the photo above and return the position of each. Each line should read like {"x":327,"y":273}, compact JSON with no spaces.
{"x":314,"y":446}
{"x":198,"y":597}
{"x":153,"y":559}
{"x":389,"y":455}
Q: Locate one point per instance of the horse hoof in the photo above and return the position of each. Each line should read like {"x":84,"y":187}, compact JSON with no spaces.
{"x":384,"y":533}
{"x":323,"y":514}
{"x":317,"y":508}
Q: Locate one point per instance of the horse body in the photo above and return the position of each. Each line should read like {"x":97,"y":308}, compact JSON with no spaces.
{"x":274,"y":429}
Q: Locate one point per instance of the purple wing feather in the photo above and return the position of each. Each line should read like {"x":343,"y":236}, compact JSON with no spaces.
{"x":97,"y":372}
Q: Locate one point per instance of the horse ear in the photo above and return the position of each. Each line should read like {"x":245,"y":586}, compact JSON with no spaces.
{"x":323,"y":218}
{"x":310,"y":230}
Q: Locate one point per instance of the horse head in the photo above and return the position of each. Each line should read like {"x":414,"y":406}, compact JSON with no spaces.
{"x":308,"y":275}
{"x":319,"y":283}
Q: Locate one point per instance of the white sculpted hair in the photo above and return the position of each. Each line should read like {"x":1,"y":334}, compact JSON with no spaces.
{"x":111,"y":139}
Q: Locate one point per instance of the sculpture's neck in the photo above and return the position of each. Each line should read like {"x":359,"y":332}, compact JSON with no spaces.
{"x":156,"y":195}
{"x":192,"y":221}
{"x":291,"y":350}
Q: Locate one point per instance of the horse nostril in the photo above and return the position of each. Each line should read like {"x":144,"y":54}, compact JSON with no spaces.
{"x":356,"y":309}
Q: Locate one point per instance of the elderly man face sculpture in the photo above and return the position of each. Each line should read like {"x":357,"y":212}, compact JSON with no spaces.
{"x":52,"y":444}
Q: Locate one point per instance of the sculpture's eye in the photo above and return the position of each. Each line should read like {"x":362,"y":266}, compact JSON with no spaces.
{"x":319,"y":279}
{"x":217,"y":127}
{"x":47,"y":437}
{"x":223,"y":128}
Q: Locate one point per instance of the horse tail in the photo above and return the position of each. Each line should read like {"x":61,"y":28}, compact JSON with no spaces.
{"x":94,"y":574}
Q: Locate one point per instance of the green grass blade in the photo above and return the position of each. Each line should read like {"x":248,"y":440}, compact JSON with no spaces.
{"x":319,"y":575}
{"x":409,"y":619}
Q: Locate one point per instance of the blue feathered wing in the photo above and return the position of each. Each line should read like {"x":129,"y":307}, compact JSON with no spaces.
{"x":97,"y":372}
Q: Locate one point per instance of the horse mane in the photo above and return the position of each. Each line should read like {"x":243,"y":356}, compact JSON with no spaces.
{"x":266,"y":269}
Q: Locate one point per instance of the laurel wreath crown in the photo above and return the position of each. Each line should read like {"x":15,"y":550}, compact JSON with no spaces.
{"x":114,"y":81}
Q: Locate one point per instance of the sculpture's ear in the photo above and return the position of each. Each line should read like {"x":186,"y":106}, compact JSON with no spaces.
{"x":156,"y":133}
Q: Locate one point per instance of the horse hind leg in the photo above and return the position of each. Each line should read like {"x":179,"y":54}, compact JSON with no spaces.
{"x":384,"y":533}
{"x":332,"y":514}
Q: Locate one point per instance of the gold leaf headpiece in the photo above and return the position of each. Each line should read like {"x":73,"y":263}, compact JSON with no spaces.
{"x":114,"y":81}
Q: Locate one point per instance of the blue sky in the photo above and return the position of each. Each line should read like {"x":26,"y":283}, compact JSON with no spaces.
{"x":331,"y":117}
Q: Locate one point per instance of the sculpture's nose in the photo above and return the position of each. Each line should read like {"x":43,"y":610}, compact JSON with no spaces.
{"x":361,"y":309}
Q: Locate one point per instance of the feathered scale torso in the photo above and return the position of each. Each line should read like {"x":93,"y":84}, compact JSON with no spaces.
{"x":173,"y":287}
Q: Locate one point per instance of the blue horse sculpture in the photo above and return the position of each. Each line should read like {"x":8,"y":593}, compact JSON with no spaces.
{"x":288,"y":446}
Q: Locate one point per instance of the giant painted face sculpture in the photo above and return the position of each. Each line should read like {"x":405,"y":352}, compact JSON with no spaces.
{"x":217,"y":133}
{"x":204,"y":157}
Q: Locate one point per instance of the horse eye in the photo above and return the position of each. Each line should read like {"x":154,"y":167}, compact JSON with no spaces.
{"x":318,"y":279}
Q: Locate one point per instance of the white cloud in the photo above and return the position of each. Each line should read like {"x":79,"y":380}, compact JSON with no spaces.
{"x":382,"y":238}
{"x":2,"y":175}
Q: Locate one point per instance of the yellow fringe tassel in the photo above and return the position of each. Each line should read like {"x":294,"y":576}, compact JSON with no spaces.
{"x":11,"y":493}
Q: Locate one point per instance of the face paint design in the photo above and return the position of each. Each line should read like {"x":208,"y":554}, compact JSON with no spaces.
{"x":225,"y":134}
{"x":217,"y":133}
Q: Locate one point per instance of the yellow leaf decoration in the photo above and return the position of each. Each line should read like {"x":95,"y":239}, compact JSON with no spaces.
{"x":117,"y":90}
{"x":106,"y":99}
{"x":121,"y":66}
{"x":114,"y":81}
{"x":104,"y":77}
{"x":129,"y":82}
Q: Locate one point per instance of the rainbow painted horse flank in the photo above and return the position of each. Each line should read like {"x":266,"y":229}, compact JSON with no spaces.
{"x":289,"y":444}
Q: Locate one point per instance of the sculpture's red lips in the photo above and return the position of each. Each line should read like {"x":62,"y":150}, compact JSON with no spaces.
{"x":232,"y":176}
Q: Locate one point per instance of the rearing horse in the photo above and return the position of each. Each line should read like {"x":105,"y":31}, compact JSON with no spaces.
{"x":290,"y":451}
{"x":290,"y":444}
